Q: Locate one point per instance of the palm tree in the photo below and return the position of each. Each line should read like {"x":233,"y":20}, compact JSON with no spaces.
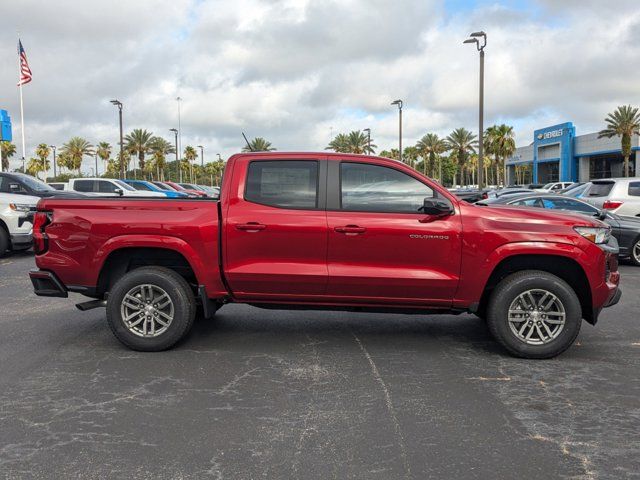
{"x":37,"y":165}
{"x":410,"y":156}
{"x":42,"y":152}
{"x":190,"y":154}
{"x":393,"y":154}
{"x":137,"y":143}
{"x":339,"y":144}
{"x":258,"y":144}
{"x":104,"y":153}
{"x":215,"y":169}
{"x":74,"y":150}
{"x":159,"y":149}
{"x":463,"y":143}
{"x":624,"y":122}
{"x":503,"y":143}
{"x":431,"y":147}
{"x":358,"y":142}
{"x":8,"y":150}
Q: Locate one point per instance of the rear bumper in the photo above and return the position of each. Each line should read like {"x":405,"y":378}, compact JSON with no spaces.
{"x":47,"y":284}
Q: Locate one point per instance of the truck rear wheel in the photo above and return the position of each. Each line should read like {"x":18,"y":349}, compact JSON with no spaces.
{"x":534,"y":314}
{"x":151,"y":309}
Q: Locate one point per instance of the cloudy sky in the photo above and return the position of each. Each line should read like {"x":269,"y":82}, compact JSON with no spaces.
{"x":294,"y":71}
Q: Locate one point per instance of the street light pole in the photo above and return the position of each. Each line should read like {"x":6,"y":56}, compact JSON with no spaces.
{"x":399,"y":104}
{"x":175,"y":131}
{"x":474,"y":39}
{"x":201,"y":155}
{"x":53,"y":147}
{"x":178,"y":99}
{"x":96,"y":157}
{"x":118,"y":104}
{"x":368,"y":130}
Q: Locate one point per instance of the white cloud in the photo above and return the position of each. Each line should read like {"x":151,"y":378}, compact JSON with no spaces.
{"x":291,"y":70}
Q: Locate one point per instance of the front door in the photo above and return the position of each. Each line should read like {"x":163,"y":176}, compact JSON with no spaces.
{"x":381,"y":248}
{"x":276,"y":231}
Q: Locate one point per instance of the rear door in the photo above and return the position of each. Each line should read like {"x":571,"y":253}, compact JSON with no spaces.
{"x":84,"y":186}
{"x":381,"y":248}
{"x":276,"y":229}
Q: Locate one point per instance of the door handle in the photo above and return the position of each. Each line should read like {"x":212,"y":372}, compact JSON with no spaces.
{"x":251,"y":226}
{"x":350,"y":229}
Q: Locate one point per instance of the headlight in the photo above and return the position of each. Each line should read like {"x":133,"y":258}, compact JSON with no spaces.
{"x":595,"y":234}
{"x":20,"y":207}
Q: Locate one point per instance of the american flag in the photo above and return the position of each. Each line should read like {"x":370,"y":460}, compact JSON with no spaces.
{"x":25,"y":71}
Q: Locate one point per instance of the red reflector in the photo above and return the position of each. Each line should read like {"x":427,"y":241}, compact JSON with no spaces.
{"x":40,"y":221}
{"x":611,"y":205}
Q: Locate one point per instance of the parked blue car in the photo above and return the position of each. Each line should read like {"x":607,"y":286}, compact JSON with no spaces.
{"x":148,"y":186}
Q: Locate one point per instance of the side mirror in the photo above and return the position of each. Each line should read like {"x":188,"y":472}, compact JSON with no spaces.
{"x":119,"y":191}
{"x":602,"y":215}
{"x":437,"y":207}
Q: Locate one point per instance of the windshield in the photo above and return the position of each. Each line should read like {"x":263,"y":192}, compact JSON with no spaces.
{"x":548,"y":186}
{"x":125,"y":185}
{"x":35,"y":184}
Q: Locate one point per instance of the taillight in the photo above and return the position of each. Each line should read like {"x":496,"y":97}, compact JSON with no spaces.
{"x":40,"y":239}
{"x":611,"y":205}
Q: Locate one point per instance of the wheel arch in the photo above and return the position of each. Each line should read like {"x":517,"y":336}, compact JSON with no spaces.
{"x":122,"y":260}
{"x":561,"y":266}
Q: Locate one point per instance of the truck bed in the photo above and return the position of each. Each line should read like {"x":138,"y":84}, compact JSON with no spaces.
{"x":84,"y":232}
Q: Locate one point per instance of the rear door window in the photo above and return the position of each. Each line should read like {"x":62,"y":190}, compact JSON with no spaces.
{"x":83,"y":185}
{"x":283,"y":183}
{"x":600,"y":189}
{"x":634,"y":189}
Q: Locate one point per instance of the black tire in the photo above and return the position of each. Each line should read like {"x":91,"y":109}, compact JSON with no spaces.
{"x":175,"y":287}
{"x":4,"y":241}
{"x":633,"y":257}
{"x":508,"y":291}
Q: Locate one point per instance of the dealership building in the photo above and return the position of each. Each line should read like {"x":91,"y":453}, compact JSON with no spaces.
{"x":558,"y":155}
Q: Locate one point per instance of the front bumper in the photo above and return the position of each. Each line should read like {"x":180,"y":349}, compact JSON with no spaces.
{"x":21,"y":239}
{"x":615,"y":298}
{"x":47,"y":284}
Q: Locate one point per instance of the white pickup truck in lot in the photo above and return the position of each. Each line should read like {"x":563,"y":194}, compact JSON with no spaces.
{"x":16,"y":221}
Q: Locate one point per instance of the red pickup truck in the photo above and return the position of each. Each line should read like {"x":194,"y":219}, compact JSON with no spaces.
{"x":327,"y":231}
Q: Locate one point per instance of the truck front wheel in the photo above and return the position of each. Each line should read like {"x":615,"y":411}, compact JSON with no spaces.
{"x":150,"y":309}
{"x":534,"y":314}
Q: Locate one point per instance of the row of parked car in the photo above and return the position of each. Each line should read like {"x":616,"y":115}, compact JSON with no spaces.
{"x":615,"y":201}
{"x":136,"y":188}
{"x":19,"y":194}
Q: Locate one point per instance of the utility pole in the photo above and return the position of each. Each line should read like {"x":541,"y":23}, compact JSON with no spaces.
{"x":175,"y":131}
{"x":399,"y":104}
{"x":474,"y":39}
{"x":118,"y":104}
{"x":53,"y":147}
{"x":368,"y":130}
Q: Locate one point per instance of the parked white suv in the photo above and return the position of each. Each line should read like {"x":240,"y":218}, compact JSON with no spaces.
{"x":16,"y":221}
{"x":108,"y":187}
{"x":617,"y":195}
{"x":553,"y":187}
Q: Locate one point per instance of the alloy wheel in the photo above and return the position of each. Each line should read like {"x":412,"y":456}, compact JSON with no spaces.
{"x":147,"y":310}
{"x":536,"y":317}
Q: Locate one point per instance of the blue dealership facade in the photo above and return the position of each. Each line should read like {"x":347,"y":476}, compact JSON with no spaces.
{"x":558,"y":155}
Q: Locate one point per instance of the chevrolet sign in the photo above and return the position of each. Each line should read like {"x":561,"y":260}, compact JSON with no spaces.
{"x":550,"y":134}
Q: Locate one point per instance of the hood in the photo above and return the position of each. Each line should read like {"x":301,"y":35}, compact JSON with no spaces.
{"x":15,"y":198}
{"x":532,"y":218}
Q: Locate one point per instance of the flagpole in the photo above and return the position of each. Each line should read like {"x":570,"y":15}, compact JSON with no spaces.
{"x":22,"y":130}
{"x":21,"y":113}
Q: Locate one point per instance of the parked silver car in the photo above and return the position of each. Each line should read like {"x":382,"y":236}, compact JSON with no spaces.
{"x":617,"y":195}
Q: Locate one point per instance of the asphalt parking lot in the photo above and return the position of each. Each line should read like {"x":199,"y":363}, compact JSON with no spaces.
{"x":288,"y":394}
